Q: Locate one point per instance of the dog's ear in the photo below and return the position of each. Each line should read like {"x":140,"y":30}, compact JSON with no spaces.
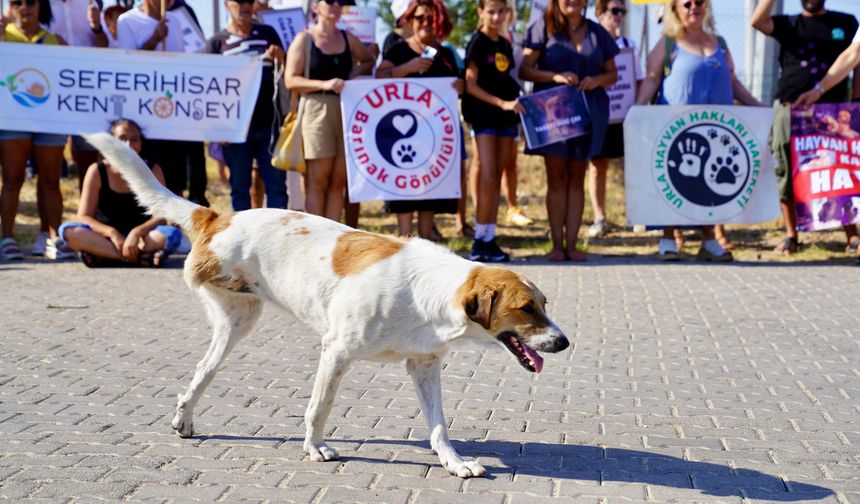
{"x":480,"y":305}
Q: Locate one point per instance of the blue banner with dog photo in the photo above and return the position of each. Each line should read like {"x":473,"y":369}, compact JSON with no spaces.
{"x":554,"y":115}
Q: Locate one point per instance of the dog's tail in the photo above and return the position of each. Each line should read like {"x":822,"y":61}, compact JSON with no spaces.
{"x":151,"y":194}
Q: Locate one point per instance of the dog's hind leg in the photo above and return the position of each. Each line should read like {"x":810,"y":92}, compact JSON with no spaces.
{"x":331,"y":370}
{"x":232,"y":317}
{"x":427,"y":376}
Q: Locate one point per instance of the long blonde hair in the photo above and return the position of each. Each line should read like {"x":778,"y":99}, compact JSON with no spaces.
{"x":673,"y":27}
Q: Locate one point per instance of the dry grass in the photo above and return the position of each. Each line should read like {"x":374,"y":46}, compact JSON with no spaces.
{"x":753,"y":243}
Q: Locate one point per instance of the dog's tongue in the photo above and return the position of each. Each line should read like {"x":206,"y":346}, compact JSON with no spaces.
{"x":537,"y":359}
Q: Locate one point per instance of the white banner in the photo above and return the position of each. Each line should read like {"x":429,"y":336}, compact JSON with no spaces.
{"x":402,"y":139}
{"x":622,"y":94}
{"x":360,"y":21}
{"x":176,"y":96}
{"x":191,"y":34}
{"x":287,"y":22}
{"x":699,"y":165}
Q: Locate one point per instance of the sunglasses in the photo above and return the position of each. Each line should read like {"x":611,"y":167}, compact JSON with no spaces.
{"x":19,"y":3}
{"x":689,"y":4}
{"x":429,"y":18}
{"x":618,"y":11}
{"x":332,"y":2}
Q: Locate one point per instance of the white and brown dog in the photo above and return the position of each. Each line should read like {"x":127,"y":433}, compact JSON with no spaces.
{"x":369,"y":296}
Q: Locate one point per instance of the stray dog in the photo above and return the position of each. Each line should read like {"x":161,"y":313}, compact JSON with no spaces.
{"x":370,"y":297}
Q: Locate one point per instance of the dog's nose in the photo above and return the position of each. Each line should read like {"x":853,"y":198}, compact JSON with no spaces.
{"x":561,"y":343}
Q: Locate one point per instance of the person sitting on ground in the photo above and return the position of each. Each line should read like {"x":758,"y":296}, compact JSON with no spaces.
{"x":111,"y":228}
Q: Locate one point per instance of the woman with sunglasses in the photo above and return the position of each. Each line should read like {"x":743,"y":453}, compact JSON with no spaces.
{"x":611,"y":15}
{"x":16,"y":147}
{"x":333,"y":53}
{"x":701,"y":71}
{"x":430,"y":23}
{"x":565,"y":49}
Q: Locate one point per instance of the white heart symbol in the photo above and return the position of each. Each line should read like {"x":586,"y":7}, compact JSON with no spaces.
{"x":403,"y":123}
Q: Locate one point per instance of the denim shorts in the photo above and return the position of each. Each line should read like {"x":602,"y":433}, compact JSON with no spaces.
{"x":40,"y":139}
{"x":172,"y":233}
{"x":504,"y":131}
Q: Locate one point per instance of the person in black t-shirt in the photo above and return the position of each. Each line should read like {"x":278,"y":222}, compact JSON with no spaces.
{"x":430,"y":24}
{"x":490,"y":106}
{"x":809,"y":44}
{"x":243,"y":36}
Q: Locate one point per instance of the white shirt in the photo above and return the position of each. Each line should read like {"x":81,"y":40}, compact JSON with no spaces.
{"x":134,"y":28}
{"x":70,"y":22}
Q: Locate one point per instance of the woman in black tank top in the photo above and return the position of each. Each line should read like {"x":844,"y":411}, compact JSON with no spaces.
{"x":331,"y":54}
{"x":110,"y":225}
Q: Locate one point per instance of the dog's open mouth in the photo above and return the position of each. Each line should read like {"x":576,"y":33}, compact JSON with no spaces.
{"x":527,"y":357}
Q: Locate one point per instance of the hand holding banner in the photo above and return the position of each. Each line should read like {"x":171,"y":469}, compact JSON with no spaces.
{"x":554,"y":115}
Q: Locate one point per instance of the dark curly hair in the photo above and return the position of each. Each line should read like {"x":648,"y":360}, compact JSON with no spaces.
{"x":442,"y":25}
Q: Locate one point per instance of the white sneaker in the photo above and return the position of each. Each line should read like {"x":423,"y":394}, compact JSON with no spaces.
{"x":667,"y":250}
{"x":39,"y":245}
{"x":599,"y":228}
{"x":516,"y":217}
{"x":59,"y":250}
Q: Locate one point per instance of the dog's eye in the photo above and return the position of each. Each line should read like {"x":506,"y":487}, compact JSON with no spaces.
{"x":527,"y":309}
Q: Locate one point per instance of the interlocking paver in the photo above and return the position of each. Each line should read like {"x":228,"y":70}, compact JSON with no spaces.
{"x":687,"y":383}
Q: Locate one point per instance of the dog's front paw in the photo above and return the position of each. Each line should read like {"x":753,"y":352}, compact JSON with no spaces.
{"x":183,"y":427}
{"x":321,"y":452}
{"x":466,"y":469}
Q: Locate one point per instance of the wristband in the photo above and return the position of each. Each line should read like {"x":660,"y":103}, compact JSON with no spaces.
{"x":818,"y":87}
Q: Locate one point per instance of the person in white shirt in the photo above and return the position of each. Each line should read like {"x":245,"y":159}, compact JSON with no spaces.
{"x":78,"y":22}
{"x":143,"y":28}
{"x":844,"y":64}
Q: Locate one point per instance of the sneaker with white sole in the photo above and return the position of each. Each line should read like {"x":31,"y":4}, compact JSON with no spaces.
{"x":599,"y":228}
{"x":9,"y":250}
{"x":40,"y":244}
{"x":516,"y":217}
{"x":58,"y":250}
{"x":712,"y":251}
{"x":667,"y":250}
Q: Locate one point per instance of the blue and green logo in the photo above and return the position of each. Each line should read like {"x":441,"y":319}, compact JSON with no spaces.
{"x":29,"y":87}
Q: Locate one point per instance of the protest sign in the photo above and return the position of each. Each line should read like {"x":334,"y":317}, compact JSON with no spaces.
{"x":191,"y":34}
{"x":554,"y":115}
{"x":287,"y":22}
{"x":825,"y":154}
{"x":286,"y":4}
{"x":622,"y":94}
{"x":402,"y":139}
{"x":176,"y":96}
{"x":699,"y":165}
{"x":360,"y":21}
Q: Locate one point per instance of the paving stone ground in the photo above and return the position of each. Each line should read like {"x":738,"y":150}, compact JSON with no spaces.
{"x":687,"y":383}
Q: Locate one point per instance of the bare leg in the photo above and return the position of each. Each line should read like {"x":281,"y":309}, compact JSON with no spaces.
{"x":87,"y":240}
{"x":232,"y":317}
{"x":258,"y":189}
{"x":83,"y":160}
{"x":509,"y":175}
{"x":13,"y":160}
{"x":597,"y":187}
{"x":426,"y":375}
{"x":575,"y":206}
{"x":336,"y":188}
{"x":50,"y":163}
{"x":489,"y":178}
{"x":404,"y":224}
{"x":331,"y":369}
{"x":557,"y":181}
{"x":425,"y":225}
{"x":316,"y":185}
{"x":462,"y":223}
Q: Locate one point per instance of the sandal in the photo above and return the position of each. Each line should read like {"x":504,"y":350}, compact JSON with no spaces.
{"x":466,"y":231}
{"x":575,"y":256}
{"x":725,"y":243}
{"x":435,"y":234}
{"x":853,"y":247}
{"x":788,"y":246}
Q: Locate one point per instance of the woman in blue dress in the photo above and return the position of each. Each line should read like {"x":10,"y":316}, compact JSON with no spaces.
{"x":565,"y":49}
{"x":700,"y":70}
